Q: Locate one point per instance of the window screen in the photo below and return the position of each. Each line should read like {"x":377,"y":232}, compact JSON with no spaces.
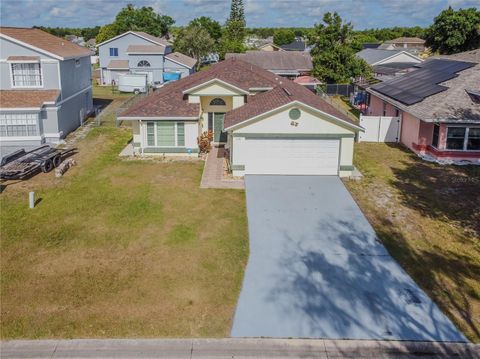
{"x":180,"y":134}
{"x":166,"y":133}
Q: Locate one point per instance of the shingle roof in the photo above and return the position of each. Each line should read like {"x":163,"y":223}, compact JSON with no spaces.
{"x":146,"y":49}
{"x":453,"y":104}
{"x":406,"y":40}
{"x":285,"y":92}
{"x":182,"y":59}
{"x":295,"y":45}
{"x":169,"y":101}
{"x":26,"y":98}
{"x":118,"y":64}
{"x":469,"y":56}
{"x":372,"y":56}
{"x":46,"y":42}
{"x":158,"y":40}
{"x":277,"y":60}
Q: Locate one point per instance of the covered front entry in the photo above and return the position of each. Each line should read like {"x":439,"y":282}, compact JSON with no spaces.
{"x":292,"y":156}
{"x":216,"y":125}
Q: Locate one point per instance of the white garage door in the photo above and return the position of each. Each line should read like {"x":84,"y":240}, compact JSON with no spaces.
{"x":292,"y":156}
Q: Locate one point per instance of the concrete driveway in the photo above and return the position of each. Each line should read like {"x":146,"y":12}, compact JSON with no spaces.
{"x":317,"y":270}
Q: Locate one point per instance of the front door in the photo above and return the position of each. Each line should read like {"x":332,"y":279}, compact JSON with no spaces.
{"x":215,"y":124}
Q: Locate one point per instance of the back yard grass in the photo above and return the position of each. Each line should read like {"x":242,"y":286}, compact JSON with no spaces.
{"x":428,"y":216}
{"x":120,"y":248}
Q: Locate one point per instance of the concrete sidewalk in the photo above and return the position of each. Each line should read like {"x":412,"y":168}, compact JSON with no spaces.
{"x":233,"y":348}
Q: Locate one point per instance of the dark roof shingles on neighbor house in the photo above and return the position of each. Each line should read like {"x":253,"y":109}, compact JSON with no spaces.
{"x":277,"y":60}
{"x":170,"y":101}
{"x":46,"y":42}
{"x":27,"y":98}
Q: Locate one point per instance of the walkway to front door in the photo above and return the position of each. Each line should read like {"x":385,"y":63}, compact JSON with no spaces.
{"x":213,"y":171}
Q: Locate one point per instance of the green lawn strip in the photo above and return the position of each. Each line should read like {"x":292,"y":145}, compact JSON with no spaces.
{"x":427,"y":216}
{"x":122,"y":249}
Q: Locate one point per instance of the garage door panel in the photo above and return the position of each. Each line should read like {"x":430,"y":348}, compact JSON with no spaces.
{"x":292,"y":156}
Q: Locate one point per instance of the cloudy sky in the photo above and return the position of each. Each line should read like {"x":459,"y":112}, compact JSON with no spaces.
{"x":259,"y":13}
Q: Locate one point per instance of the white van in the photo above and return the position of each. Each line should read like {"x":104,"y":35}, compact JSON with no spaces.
{"x":136,"y":83}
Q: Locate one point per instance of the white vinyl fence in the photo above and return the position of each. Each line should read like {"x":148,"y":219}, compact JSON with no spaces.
{"x":380,"y":129}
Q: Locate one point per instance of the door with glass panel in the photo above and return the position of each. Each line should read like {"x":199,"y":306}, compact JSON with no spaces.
{"x":216,"y":125}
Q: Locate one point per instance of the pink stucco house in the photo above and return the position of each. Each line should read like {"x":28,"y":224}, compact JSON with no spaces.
{"x":439,"y":107}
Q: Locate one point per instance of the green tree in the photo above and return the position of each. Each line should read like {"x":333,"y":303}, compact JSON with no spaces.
{"x":142,"y":19}
{"x":455,"y":31}
{"x":283,"y":37}
{"x":213,"y":27}
{"x":333,"y":57}
{"x":234,"y":32}
{"x":106,"y":32}
{"x":194,"y":41}
{"x":131,"y":18}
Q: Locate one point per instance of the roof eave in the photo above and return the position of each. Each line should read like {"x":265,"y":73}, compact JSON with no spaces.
{"x":296,"y":102}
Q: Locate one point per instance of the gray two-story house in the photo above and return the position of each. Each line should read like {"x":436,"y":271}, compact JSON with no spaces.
{"x":45,"y":88}
{"x":139,"y":52}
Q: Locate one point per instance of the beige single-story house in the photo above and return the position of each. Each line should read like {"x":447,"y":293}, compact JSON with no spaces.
{"x":268,"y":124}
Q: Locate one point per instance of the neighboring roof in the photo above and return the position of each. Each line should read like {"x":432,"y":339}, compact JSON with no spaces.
{"x":23,"y":58}
{"x":144,"y":35}
{"x":42,"y":41}
{"x":406,"y":40}
{"x":371,"y":45}
{"x":469,"y":56}
{"x":272,"y":45}
{"x":118,"y":65}
{"x":181,"y":59}
{"x":393,"y":67}
{"x":170,"y":101}
{"x":146,"y":49}
{"x":295,"y":45}
{"x":277,"y":60}
{"x":453,"y":104}
{"x":374,"y":56}
{"x":307,"y":80}
{"x":26,"y":98}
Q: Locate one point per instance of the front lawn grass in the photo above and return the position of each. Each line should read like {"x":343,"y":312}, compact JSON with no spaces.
{"x":428,"y":216}
{"x":120,"y":248}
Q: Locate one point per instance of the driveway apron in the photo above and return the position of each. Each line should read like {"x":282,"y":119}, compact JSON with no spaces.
{"x":317,"y":270}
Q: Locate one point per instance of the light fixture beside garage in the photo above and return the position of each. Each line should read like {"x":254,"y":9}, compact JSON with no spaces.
{"x":294,"y":115}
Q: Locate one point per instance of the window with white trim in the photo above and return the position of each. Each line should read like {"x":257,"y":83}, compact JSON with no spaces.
{"x":165,"y":134}
{"x":463,"y":138}
{"x":18,"y":124}
{"x":26,"y":75}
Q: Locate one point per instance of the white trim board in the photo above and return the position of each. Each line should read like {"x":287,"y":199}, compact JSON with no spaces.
{"x":293,"y":103}
{"x":133,"y":33}
{"x":209,"y":82}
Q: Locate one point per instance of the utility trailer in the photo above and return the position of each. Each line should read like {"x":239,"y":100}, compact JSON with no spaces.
{"x":22,"y":164}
